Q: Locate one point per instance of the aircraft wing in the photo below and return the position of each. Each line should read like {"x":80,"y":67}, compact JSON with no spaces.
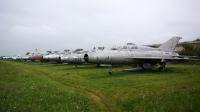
{"x":183,"y":56}
{"x":166,"y":58}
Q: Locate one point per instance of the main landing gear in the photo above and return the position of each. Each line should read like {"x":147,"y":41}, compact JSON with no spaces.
{"x":107,"y":65}
{"x":162,"y":67}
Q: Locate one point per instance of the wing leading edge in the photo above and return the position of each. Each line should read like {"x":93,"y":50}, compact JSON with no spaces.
{"x":166,"y":58}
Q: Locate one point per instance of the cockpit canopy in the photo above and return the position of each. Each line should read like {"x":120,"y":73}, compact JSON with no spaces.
{"x":124,"y":47}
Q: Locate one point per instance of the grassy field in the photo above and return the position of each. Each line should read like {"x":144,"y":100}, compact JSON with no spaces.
{"x":36,"y":86}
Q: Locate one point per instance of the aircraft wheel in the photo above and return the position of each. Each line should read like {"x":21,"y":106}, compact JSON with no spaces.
{"x":161,"y":69}
{"x":110,"y":72}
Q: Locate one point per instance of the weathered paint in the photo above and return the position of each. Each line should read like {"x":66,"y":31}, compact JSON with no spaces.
{"x":33,"y":58}
{"x":146,"y":56}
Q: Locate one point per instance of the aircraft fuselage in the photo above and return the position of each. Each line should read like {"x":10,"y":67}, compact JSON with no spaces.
{"x":126,"y":57}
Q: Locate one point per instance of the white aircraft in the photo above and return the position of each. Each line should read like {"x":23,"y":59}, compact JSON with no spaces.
{"x":6,"y":57}
{"x":142,"y":57}
{"x":76,"y":57}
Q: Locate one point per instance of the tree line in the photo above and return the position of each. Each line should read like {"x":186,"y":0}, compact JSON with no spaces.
{"x":190,"y":50}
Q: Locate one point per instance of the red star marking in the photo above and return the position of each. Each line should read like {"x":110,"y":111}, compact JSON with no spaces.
{"x":171,"y":44}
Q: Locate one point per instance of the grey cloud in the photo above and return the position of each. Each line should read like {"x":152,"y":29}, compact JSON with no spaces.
{"x":71,"y":24}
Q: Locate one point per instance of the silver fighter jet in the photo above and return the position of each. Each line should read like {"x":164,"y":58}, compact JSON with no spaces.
{"x":141,"y":57}
{"x":76,"y":57}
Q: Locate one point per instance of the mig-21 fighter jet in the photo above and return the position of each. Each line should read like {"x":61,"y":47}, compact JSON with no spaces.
{"x":76,"y":57}
{"x":142,"y":57}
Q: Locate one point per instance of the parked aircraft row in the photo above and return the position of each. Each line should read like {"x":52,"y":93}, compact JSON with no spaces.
{"x":68,"y":57}
{"x":139,"y":57}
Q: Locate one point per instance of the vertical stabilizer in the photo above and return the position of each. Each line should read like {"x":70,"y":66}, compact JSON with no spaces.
{"x":170,"y":44}
{"x":36,"y":52}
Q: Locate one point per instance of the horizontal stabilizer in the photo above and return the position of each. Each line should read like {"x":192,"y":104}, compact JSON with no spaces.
{"x":150,"y":58}
{"x":183,"y":56}
{"x":166,"y":58}
{"x":186,"y":57}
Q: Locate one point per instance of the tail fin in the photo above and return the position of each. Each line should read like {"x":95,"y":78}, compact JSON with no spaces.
{"x":36,"y":52}
{"x":170,"y":44}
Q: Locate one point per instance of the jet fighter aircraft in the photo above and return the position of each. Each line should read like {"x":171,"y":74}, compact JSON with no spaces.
{"x":36,"y":56}
{"x":54,"y":57}
{"x":76,"y":57}
{"x":6,"y":57}
{"x":14,"y":57}
{"x":25,"y":57}
{"x":142,"y":57}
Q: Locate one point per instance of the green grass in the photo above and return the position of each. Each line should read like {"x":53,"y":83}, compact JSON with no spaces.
{"x":35,"y":86}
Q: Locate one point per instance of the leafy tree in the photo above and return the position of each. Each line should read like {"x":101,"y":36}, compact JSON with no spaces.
{"x":198,"y":39}
{"x":49,"y":52}
{"x":66,"y":50}
{"x":197,"y":51}
{"x":28,"y":53}
{"x":56,"y":52}
{"x":190,"y":50}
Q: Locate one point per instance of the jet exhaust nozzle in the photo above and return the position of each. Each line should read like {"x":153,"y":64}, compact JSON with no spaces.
{"x":86,"y":58}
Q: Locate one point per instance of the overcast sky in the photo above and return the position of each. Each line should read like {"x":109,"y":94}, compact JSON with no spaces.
{"x":56,"y":25}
